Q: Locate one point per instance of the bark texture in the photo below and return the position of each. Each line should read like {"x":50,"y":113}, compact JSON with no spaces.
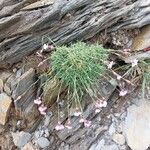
{"x":23,"y":23}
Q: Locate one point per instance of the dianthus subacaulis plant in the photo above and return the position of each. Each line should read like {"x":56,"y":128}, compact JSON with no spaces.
{"x":78,"y":67}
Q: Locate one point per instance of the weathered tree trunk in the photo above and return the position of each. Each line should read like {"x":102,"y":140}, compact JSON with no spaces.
{"x":22,"y":24}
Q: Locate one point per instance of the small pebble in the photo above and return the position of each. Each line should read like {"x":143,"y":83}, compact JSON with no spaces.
{"x":119,"y":139}
{"x":14,"y":70}
{"x":46,"y":133}
{"x":43,"y":142}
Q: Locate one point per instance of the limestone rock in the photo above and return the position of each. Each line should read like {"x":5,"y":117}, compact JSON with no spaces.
{"x":4,"y":75}
{"x":112,"y":129}
{"x":98,"y":145}
{"x":18,"y":73}
{"x":137,"y":126}
{"x":2,"y":129}
{"x":118,"y":138}
{"x":142,"y":40}
{"x":1,"y":85}
{"x":43,"y":142}
{"x":5,"y":103}
{"x":24,"y":90}
{"x":51,"y":89}
{"x":23,"y":83}
{"x":39,"y":4}
{"x":10,"y":82}
{"x":21,"y":138}
{"x":110,"y":147}
{"x":28,"y":146}
{"x":7,"y":89}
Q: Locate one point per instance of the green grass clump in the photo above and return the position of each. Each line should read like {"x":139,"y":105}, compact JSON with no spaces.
{"x":78,"y":67}
{"x":145,"y":65}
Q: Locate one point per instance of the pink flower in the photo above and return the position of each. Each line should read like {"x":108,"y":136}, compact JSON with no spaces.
{"x":126,"y":50}
{"x":81,"y":120}
{"x":100,"y":104}
{"x":118,"y":77}
{"x":123,"y":92}
{"x":104,"y":103}
{"x":87,"y":123}
{"x":77,"y":113}
{"x":110,"y":65}
{"x":68,"y":126}
{"x":42,"y":108}
{"x":97,"y":110}
{"x":38,"y":101}
{"x":134,"y":62}
{"x":45,"y":46}
{"x":59,"y":126}
{"x":42,"y":112}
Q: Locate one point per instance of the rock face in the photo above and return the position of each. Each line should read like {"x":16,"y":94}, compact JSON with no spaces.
{"x":23,"y":24}
{"x":28,"y":146}
{"x":5,"y":103}
{"x":24,"y":87}
{"x":38,"y":4}
{"x":137,"y":126}
{"x":21,"y":138}
{"x":4,"y":75}
{"x":43,"y":142}
{"x":142,"y":40}
{"x":98,"y":145}
{"x":50,"y":91}
{"x":1,"y":85}
{"x":119,"y":139}
{"x":110,"y":147}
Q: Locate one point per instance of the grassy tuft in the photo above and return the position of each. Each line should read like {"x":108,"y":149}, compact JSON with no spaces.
{"x":78,"y":67}
{"x":145,"y":65}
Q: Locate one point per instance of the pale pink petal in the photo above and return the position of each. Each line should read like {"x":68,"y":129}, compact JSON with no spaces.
{"x":77,"y":113}
{"x":68,"y":126}
{"x":81,"y":120}
{"x":42,"y":112}
{"x":42,"y":108}
{"x":104,"y":103}
{"x":110,"y":65}
{"x":123,"y":92}
{"x":134,"y":62}
{"x":87,"y":123}
{"x":97,"y":110}
{"x":118,"y":77}
{"x":45,"y":46}
{"x":126,"y":50}
{"x":37,"y":101}
{"x":59,"y":127}
{"x":98,"y":104}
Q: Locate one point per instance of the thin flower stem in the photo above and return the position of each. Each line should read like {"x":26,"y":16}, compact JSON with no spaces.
{"x":58,"y":102}
{"x":143,"y":88}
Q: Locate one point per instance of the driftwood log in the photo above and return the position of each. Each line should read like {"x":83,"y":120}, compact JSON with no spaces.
{"x":23,"y":23}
